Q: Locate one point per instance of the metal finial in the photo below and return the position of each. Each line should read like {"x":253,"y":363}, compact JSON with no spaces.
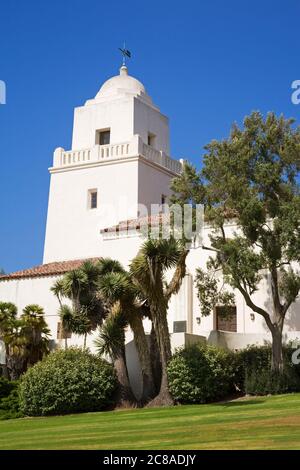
{"x":125,"y":53}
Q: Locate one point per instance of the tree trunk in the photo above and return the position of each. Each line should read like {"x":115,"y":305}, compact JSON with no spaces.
{"x":277,"y":354}
{"x":141,"y":343}
{"x":124,"y":396}
{"x":16,"y":366}
{"x":66,"y":343}
{"x":155,"y":360}
{"x":159,"y":318}
{"x":84,"y":341}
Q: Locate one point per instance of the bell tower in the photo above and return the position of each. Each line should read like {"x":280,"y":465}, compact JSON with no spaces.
{"x":119,"y":163}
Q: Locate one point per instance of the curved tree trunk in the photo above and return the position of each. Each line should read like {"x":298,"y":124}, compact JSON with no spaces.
{"x":159,"y":318}
{"x":124,"y":396}
{"x":141,"y":343}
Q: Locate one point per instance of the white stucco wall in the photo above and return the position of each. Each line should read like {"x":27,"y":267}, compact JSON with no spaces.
{"x":152,"y":184}
{"x":73,"y":229}
{"x":149,"y":120}
{"x":116,"y":115}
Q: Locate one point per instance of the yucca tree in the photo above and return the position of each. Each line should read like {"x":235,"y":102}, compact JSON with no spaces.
{"x":118,"y":287}
{"x":111,"y":342}
{"x":148,"y":270}
{"x":87,"y":310}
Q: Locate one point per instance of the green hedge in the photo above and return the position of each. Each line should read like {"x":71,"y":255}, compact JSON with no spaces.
{"x":254,"y":375}
{"x":6,"y":386}
{"x":199,"y":374}
{"x":67,"y":381}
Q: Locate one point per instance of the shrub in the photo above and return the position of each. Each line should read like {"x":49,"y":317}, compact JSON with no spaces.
{"x":199,"y":374}
{"x":267,"y":382}
{"x":9,"y":399}
{"x":68,"y":381}
{"x":252,"y":358}
{"x":10,"y":406}
{"x":6,"y":386}
{"x":254,"y":375}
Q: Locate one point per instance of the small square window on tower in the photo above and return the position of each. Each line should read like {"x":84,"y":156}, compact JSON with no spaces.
{"x":151,"y":140}
{"x":103,"y":137}
{"x":93,"y":199}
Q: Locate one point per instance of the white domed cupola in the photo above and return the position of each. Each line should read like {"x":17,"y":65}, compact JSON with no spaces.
{"x":122,"y":84}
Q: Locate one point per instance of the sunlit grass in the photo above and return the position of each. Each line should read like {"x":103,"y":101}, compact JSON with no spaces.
{"x":254,"y":423}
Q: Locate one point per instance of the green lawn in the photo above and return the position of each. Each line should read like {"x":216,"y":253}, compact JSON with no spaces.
{"x":253,"y":423}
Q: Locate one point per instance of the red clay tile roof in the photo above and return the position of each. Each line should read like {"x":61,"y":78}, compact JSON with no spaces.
{"x":50,"y":269}
{"x":153,"y":220}
{"x":136,"y":224}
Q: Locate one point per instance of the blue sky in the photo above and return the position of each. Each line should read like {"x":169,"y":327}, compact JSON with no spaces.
{"x":205,"y":63}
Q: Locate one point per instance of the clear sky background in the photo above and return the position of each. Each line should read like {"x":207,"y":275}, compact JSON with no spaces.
{"x":205,"y":63}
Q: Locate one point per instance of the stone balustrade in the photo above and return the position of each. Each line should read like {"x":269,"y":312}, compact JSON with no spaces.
{"x":100,"y":153}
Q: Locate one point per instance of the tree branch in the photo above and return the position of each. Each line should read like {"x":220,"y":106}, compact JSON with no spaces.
{"x":254,"y":307}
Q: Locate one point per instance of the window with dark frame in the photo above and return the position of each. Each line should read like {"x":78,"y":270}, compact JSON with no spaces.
{"x":93,"y":199}
{"x":104,"y":137}
{"x":226,"y":318}
{"x":151,"y":139}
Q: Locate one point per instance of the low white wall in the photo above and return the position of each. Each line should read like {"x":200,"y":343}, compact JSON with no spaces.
{"x":235,"y":341}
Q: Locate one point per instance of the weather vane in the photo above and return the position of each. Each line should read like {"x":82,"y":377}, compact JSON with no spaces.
{"x":125,"y":53}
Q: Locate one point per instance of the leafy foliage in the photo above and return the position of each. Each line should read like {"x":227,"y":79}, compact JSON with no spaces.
{"x":6,"y":386}
{"x":253,"y":176}
{"x":9,"y":399}
{"x":67,"y":381}
{"x":252,"y":366}
{"x":209,"y":292}
{"x":200,"y":374}
{"x":268,"y":382}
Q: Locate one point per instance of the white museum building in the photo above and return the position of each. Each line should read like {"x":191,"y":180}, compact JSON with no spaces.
{"x":100,"y":190}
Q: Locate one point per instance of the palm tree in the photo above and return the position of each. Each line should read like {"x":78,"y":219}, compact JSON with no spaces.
{"x":111,"y":342}
{"x":35,"y":330}
{"x":117,"y":286}
{"x":66,"y":322}
{"x":148,"y":271}
{"x":26,"y":339}
{"x":16,"y":345}
{"x":8,"y":315}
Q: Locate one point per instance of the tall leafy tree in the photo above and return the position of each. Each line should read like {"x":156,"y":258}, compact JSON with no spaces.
{"x":253,"y":177}
{"x":148,"y":270}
